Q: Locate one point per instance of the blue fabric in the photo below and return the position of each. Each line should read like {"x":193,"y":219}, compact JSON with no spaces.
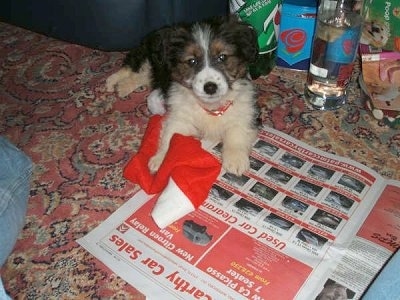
{"x":3,"y":294}
{"x":386,"y":286}
{"x":112,"y":25}
{"x":15,"y":173}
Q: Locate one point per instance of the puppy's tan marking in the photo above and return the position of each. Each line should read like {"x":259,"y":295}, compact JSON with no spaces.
{"x":234,"y":69}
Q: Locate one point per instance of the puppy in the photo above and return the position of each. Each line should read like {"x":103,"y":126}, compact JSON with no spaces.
{"x":200,"y":72}
{"x":375,"y":33}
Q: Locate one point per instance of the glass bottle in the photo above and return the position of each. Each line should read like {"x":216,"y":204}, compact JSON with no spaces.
{"x":336,"y":39}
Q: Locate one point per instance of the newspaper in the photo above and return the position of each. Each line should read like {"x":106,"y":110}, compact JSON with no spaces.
{"x":298,"y":224}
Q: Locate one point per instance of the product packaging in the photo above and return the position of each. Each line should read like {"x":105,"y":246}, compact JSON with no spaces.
{"x":296,"y":33}
{"x":264,"y":16}
{"x":380,"y":82}
{"x":381,"y":24}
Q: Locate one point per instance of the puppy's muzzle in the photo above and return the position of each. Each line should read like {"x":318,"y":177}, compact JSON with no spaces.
{"x":375,"y":29}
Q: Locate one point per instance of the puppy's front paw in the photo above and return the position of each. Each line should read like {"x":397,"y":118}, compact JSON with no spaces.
{"x":235,"y":161}
{"x":155,"y":163}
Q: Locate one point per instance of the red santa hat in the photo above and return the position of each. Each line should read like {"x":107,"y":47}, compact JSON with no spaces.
{"x":183,"y":180}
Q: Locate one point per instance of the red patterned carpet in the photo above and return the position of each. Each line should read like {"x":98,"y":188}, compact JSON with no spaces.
{"x":53,"y":105}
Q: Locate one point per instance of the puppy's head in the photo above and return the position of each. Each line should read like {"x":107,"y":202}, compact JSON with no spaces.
{"x":208,"y":57}
{"x":375,"y":33}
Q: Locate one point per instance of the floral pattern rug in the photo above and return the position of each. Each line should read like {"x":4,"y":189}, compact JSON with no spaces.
{"x":54,"y":106}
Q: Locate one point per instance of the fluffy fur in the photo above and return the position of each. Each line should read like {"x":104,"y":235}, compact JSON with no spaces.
{"x":200,"y":71}
{"x":375,"y":33}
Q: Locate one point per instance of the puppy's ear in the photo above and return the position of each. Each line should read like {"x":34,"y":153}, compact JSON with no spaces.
{"x":166,"y":43}
{"x":157,"y":45}
{"x":243,"y":36}
{"x":247,"y":38}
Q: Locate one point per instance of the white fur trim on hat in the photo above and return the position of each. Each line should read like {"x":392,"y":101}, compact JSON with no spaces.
{"x":171,"y":205}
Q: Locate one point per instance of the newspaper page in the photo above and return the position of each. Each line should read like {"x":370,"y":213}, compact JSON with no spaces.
{"x":298,"y":224}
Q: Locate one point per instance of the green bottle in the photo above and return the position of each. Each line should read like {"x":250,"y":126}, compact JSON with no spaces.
{"x":264,"y":16}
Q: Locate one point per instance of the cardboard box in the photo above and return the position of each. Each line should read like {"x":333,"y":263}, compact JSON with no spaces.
{"x":380,"y":81}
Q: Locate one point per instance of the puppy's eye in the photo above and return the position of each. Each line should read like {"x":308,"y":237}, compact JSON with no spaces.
{"x":192,"y":61}
{"x":221,"y":58}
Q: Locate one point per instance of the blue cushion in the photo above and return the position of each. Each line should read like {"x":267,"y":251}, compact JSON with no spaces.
{"x":105,"y":24}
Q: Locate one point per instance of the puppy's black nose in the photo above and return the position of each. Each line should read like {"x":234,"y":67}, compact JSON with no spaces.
{"x":210,"y":88}
{"x":375,"y":29}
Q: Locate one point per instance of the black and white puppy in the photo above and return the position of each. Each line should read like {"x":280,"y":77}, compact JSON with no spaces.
{"x":200,"y":72}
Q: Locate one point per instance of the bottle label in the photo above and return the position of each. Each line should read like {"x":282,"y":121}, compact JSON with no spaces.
{"x":317,"y":71}
{"x":343,"y":46}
